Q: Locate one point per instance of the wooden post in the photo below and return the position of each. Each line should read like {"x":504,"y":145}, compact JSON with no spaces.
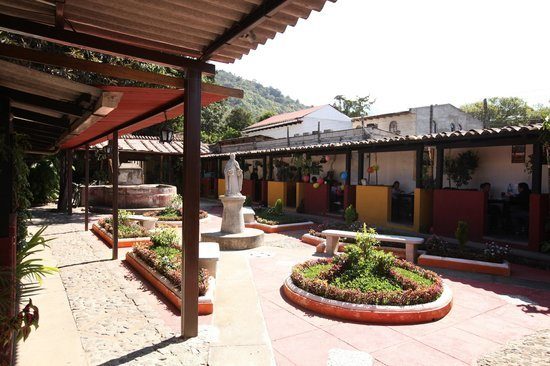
{"x":270,"y":170}
{"x":419,"y":166}
{"x":287,"y":136}
{"x":170,"y":170}
{"x":161,"y":168}
{"x":360,"y":166}
{"x":440,"y":164}
{"x":8,"y":219}
{"x":69,"y":180}
{"x":348,"y":168}
{"x":114,"y":153}
{"x":86,"y":185}
{"x":264,"y":167}
{"x":536,"y":176}
{"x":191,"y":204}
{"x":219,"y":168}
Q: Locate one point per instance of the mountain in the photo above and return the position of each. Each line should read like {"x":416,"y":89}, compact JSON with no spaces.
{"x":258,"y":98}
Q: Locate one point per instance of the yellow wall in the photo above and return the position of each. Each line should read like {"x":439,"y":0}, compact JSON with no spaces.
{"x":423,"y":204}
{"x":276,"y":190}
{"x":373,"y":204}
{"x":221,"y":187}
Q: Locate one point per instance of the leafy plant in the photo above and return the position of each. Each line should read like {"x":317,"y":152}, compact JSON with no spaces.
{"x":460,"y":169}
{"x":461,"y":234}
{"x":350,"y":215}
{"x":164,"y":238}
{"x":44,"y":180}
{"x":29,"y":272}
{"x":278,"y":207}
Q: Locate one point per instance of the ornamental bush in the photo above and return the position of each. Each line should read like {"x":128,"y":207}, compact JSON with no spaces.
{"x":350,"y":215}
{"x":278,"y":208}
{"x":461,"y":234}
{"x":164,"y":238}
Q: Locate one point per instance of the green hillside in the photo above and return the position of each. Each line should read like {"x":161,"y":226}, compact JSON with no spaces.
{"x":258,"y":98}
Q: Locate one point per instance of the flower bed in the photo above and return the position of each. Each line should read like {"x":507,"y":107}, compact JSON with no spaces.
{"x":129,"y":233}
{"x":161,"y":259}
{"x":490,"y":260}
{"x":273,"y":220}
{"x":370,"y":278}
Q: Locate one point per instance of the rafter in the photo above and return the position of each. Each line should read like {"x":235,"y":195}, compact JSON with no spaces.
{"x":43,"y":102}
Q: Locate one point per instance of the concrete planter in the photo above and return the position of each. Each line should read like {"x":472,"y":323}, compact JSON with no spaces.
{"x":466,"y":265}
{"x":122,"y":242}
{"x":283,"y":227}
{"x":169,"y":291}
{"x":379,"y":314}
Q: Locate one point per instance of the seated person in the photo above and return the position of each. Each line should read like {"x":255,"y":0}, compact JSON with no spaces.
{"x":493,"y":211}
{"x":396,"y":211}
{"x":395,"y":190}
{"x":254,"y":174}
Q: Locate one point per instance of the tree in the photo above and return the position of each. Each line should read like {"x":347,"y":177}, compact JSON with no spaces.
{"x":239,"y":119}
{"x":506,"y":111}
{"x":357,"y":107}
{"x":266,"y":115}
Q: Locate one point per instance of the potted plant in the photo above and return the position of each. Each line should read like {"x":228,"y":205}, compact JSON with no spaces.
{"x":461,"y":168}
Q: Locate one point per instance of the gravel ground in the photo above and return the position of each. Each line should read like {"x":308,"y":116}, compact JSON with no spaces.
{"x":115,"y":322}
{"x":532,"y":350}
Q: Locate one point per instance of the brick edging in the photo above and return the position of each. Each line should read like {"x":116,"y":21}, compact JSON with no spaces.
{"x":466,"y":265}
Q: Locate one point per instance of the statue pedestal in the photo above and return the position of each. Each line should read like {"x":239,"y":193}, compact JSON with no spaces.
{"x":232,"y":219}
{"x":233,"y":235}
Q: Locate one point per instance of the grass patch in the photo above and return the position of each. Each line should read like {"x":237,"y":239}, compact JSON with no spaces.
{"x":315,"y":270}
{"x":366,"y":282}
{"x":413,"y":276}
{"x":271,"y":218}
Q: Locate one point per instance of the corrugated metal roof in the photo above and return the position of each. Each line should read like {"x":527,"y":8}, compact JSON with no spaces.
{"x":508,"y":131}
{"x":151,"y":145}
{"x":283,"y":119}
{"x":180,"y":27}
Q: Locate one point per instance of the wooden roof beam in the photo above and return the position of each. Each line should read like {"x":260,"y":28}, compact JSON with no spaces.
{"x":43,"y":102}
{"x":257,"y":16}
{"x":93,"y":43}
{"x":115,"y":71}
{"x":38,"y":118}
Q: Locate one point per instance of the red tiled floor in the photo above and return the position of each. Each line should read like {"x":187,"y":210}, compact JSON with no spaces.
{"x":281,"y":360}
{"x":281,"y":324}
{"x":367,"y":338}
{"x":528,"y":316}
{"x":309,"y":348}
{"x":460,"y":344}
{"x":496,"y":329}
{"x":414,"y":353}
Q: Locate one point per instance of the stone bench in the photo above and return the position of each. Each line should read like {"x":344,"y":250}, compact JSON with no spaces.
{"x":209,"y":254}
{"x":249,"y":215}
{"x":411,"y":243}
{"x":147,"y":222}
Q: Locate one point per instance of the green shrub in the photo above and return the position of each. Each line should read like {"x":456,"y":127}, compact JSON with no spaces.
{"x":247,"y":201}
{"x":164,"y":238}
{"x":461,"y":234}
{"x":350,"y":215}
{"x":44,"y":181}
{"x":278,"y":208}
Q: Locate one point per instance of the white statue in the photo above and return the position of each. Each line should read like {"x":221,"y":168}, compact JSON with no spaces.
{"x":233,"y":177}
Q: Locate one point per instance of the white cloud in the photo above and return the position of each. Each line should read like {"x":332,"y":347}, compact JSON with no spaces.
{"x":410,"y":53}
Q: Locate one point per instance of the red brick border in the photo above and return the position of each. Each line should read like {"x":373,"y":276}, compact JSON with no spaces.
{"x":280,"y":228}
{"x":122,"y":243}
{"x":465,"y":265}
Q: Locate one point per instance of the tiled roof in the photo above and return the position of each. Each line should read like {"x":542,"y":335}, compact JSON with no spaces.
{"x":151,"y":144}
{"x":508,"y":131}
{"x":283,"y":119}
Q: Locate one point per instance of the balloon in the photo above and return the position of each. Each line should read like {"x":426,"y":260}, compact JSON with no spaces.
{"x":342,"y":187}
{"x":344,"y":175}
{"x":320,"y":180}
{"x":375,"y":167}
{"x":315,"y":185}
{"x":370,"y":170}
{"x":327,"y":157}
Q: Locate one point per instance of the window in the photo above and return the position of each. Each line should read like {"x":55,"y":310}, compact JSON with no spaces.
{"x":393,"y":126}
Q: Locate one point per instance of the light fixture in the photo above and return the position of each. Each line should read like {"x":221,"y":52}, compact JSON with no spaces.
{"x":107,"y":149}
{"x":166,"y":133}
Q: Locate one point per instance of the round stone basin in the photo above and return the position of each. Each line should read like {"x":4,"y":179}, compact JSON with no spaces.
{"x":133,"y":196}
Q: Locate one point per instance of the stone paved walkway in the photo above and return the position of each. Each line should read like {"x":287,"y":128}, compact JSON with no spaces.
{"x":114,"y":315}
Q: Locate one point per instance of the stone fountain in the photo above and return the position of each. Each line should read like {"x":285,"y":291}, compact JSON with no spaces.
{"x":233,"y":234}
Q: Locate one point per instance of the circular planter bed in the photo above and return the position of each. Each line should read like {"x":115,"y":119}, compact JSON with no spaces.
{"x":368,"y":285}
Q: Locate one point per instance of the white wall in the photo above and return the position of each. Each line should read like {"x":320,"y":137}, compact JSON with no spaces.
{"x":395,"y":165}
{"x":495,"y":167}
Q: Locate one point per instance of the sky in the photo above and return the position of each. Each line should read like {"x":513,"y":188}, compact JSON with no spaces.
{"x":409,"y":53}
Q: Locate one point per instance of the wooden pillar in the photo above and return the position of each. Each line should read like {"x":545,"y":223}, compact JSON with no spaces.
{"x":219,"y":168}
{"x":161,"y":168}
{"x":536,"y":183}
{"x":191,"y":203}
{"x":114,"y":153}
{"x":86,"y":186}
{"x":440,"y":164}
{"x":419,"y":166}
{"x":8,"y":221}
{"x":264,"y":167}
{"x":69,"y":180}
{"x":360,"y":166}
{"x":270,"y":170}
{"x":348,"y":168}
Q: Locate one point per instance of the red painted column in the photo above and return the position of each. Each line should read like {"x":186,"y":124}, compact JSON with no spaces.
{"x":538,"y":210}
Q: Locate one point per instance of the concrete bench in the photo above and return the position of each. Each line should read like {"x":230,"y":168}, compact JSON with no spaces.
{"x":147,"y":222}
{"x":411,"y":243}
{"x":209,"y":254}
{"x":249,"y":215}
